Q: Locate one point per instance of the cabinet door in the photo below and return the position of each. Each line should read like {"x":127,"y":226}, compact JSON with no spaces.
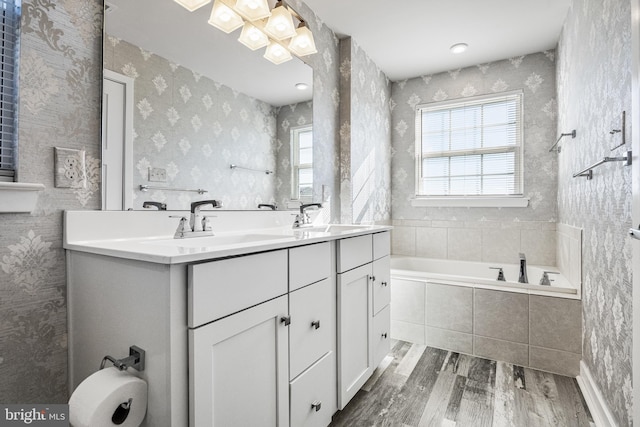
{"x":381,"y":284}
{"x":312,"y":329}
{"x":238,"y":369}
{"x":354,"y":331}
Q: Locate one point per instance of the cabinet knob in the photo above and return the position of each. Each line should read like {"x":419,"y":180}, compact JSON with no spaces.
{"x":316,"y":324}
{"x":316,"y":405}
{"x":384,"y":335}
{"x":286,"y":320}
{"x":384,"y":284}
{"x":373,"y":278}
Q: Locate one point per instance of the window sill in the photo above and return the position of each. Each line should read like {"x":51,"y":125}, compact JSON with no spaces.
{"x":471,"y":202}
{"x":18,"y":197}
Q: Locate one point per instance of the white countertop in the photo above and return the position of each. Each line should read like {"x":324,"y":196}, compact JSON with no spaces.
{"x":164,"y":249}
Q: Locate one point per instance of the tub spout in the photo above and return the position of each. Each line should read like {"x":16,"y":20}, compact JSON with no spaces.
{"x":522,"y":277}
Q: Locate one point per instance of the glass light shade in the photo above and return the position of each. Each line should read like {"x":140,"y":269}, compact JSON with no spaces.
{"x":192,"y":5}
{"x":280,"y":24}
{"x":253,"y":9}
{"x":224,"y":18}
{"x":252,"y":37}
{"x":277,"y":53}
{"x":302,"y":43}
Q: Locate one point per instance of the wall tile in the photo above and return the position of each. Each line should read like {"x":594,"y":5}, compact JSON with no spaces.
{"x":506,"y":351}
{"x":407,"y":331}
{"x":403,"y":241}
{"x":501,"y":315}
{"x":431,"y":242}
{"x":556,"y":361}
{"x":500,"y":245}
{"x":408,"y":301}
{"x":539,"y":246}
{"x":449,"y":340}
{"x":449,"y":307}
{"x":555,"y":323}
{"x":464,"y":244}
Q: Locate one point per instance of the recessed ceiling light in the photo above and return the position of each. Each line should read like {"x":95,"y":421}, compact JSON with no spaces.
{"x":301,"y":86}
{"x":459,"y":47}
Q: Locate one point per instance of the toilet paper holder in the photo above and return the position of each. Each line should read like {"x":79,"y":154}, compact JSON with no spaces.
{"x":135,"y":360}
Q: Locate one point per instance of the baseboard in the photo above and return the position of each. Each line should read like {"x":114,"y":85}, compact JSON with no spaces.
{"x":599,"y":410}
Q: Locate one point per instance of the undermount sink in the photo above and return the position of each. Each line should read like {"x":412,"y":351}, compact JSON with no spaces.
{"x":212,"y":241}
{"x":334,"y":228}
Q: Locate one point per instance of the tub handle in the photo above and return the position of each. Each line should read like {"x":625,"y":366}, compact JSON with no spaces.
{"x":500,"y":273}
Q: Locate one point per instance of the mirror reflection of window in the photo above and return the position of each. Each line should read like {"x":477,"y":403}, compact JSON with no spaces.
{"x":302,"y":161}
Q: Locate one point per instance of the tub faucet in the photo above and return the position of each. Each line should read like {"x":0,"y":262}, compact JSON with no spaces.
{"x":522,"y":277}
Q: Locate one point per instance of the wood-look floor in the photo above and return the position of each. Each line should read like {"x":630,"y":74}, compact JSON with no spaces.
{"x":422,"y":386}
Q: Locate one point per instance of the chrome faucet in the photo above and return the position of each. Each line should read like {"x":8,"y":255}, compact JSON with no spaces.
{"x":303,"y":219}
{"x":522,"y":277}
{"x":545,"y":281}
{"x":197,"y":225}
{"x":159,"y":205}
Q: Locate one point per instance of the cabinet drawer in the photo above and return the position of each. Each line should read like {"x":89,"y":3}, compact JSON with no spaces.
{"x":381,"y":244}
{"x":381,"y":336}
{"x":309,"y":264}
{"x":354,"y":252}
{"x":314,"y":303}
{"x":220,"y":288}
{"x":381,"y":283}
{"x":316,"y":386}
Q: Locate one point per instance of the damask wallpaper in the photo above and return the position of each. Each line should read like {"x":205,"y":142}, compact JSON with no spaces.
{"x":594,"y":87}
{"x":475,"y":234}
{"x":365,"y":137}
{"x":60,"y":105}
{"x":194,"y":128}
{"x":60,"y":85}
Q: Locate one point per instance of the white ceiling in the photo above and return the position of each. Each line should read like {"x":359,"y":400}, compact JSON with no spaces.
{"x":410,"y":38}
{"x":169,"y":30}
{"x":405,"y":38}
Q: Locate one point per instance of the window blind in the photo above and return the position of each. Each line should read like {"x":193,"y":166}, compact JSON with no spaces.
{"x":471,"y":147}
{"x":9,"y":27}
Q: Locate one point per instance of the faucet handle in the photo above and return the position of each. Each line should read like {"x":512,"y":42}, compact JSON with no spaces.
{"x":183,"y":226}
{"x":500,"y":273}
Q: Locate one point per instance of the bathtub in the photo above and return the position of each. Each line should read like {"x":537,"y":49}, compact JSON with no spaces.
{"x":481,"y":275}
{"x":461,"y":307}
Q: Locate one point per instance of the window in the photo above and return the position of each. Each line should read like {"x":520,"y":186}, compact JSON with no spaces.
{"x":302,"y":163}
{"x":470,"y":148}
{"x":9,"y":25}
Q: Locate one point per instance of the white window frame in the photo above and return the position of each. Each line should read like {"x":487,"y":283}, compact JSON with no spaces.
{"x":511,"y":200}
{"x":10,"y":38}
{"x":295,"y":162}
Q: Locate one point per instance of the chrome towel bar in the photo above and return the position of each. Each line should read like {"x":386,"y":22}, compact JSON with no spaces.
{"x":232,"y":166}
{"x":144,"y":187}
{"x":562,"y":135}
{"x":588,"y":171}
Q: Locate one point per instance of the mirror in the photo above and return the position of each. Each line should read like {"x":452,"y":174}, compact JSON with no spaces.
{"x":199,"y":102}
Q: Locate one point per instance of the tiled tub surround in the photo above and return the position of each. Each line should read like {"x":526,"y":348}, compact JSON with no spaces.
{"x":486,"y":241}
{"x":521,"y":326}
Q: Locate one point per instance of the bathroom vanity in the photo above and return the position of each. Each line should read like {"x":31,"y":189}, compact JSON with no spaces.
{"x":267,"y":326}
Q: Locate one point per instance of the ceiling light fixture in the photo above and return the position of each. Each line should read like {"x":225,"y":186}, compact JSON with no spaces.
{"x":274,"y":29}
{"x":192,"y":5}
{"x":458,"y":47}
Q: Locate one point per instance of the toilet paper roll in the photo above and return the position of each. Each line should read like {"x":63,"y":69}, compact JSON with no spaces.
{"x":107,"y":398}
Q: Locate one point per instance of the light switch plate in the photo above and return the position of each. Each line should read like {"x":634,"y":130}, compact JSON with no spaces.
{"x":157,"y":175}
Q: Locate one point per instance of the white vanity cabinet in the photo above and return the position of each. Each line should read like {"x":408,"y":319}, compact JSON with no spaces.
{"x":312,"y":335}
{"x":276,"y":335}
{"x":363,"y":310}
{"x":238,"y":364}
